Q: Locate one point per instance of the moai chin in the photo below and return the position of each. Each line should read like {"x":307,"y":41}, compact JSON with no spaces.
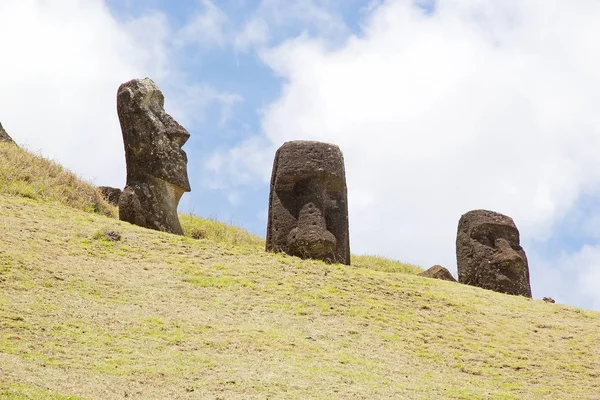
{"x":156,"y":164}
{"x":308,"y":203}
{"x":489,"y":255}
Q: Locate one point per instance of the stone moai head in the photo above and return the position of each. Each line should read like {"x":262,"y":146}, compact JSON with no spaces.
{"x":308,"y":203}
{"x":489,"y":255}
{"x":156,"y":165}
{"x":152,"y":138}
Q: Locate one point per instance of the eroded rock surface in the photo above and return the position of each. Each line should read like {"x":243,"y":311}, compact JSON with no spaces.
{"x":4,"y":137}
{"x":111,"y":194}
{"x":308,"y":203}
{"x":438,"y":272}
{"x":156,"y":164}
{"x":489,"y":254}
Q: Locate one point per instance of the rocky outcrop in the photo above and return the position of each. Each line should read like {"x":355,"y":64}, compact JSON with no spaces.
{"x":4,"y":136}
{"x":111,"y":194}
{"x":489,"y":254}
{"x":308,"y":203}
{"x":438,"y":272}
{"x":156,"y":164}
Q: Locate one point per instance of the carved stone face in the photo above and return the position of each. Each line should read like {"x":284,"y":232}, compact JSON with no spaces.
{"x":156,"y":164}
{"x":489,"y":254}
{"x":308,"y":210}
{"x":153,"y":139}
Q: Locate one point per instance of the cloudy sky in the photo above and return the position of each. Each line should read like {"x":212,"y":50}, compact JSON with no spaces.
{"x":440,"y":107}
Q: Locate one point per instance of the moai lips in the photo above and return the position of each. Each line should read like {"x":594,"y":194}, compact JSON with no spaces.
{"x":156,"y":164}
{"x":489,"y":254}
{"x":308,"y":204}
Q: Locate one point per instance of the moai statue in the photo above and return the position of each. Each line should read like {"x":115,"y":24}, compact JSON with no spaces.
{"x":156,"y":164}
{"x":308,"y":203}
{"x":489,"y":255}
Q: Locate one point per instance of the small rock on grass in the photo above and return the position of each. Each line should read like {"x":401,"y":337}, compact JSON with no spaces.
{"x":438,"y":272}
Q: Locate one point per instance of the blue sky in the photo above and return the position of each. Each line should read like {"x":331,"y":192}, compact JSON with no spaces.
{"x":240,"y":72}
{"x":235,"y":71}
{"x":439,"y":108}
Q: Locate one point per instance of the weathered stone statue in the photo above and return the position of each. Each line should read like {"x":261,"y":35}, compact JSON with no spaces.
{"x":489,"y":255}
{"x":4,"y":136}
{"x":308,"y":203}
{"x":156,"y":164}
{"x":438,"y":272}
{"x":111,"y":194}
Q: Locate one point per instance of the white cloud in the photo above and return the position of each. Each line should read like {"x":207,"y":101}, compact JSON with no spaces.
{"x":206,"y":28}
{"x":580,"y":270}
{"x":482,"y":104}
{"x":189,"y":101}
{"x":243,"y":164}
{"x":310,"y":13}
{"x":587,"y":263}
{"x":255,"y":33}
{"x":62,"y":62}
{"x":274,"y":19}
{"x":150,"y":35}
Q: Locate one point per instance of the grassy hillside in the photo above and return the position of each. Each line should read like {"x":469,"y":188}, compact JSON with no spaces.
{"x":159,"y":316}
{"x":27,"y":175}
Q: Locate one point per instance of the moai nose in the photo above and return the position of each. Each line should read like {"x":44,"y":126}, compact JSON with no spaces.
{"x":311,"y":238}
{"x":508,"y":257}
{"x":177,"y":134}
{"x":504,"y":246}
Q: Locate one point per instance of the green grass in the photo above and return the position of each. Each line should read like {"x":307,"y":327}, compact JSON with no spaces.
{"x":25,"y":392}
{"x":160,"y":316}
{"x":200,"y":228}
{"x":384,"y":264}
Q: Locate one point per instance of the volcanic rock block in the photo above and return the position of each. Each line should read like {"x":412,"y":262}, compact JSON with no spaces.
{"x":489,"y":255}
{"x":438,"y":272}
{"x":111,"y":194}
{"x":308,"y":203}
{"x":4,"y":136}
{"x":156,"y":164}
{"x":112,"y":235}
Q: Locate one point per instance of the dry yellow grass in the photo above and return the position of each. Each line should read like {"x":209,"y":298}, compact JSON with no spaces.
{"x":159,"y":316}
{"x":27,"y":175}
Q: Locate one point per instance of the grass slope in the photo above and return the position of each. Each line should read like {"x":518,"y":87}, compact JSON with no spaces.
{"x":27,"y":175}
{"x":158,"y":316}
